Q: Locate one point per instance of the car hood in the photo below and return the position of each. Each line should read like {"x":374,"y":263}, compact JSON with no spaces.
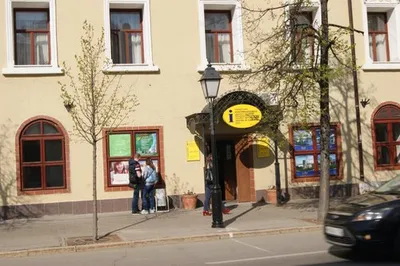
{"x":358,"y":203}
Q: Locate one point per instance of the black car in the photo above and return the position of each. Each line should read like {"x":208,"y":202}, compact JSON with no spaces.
{"x":368,"y":220}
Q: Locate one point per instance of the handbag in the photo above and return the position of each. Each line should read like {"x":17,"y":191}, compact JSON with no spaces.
{"x":209,"y":175}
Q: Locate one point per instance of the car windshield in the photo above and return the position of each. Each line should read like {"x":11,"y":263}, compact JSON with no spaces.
{"x":390,"y":187}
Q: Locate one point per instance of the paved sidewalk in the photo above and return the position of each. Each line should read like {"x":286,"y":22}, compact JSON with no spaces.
{"x":51,"y":231}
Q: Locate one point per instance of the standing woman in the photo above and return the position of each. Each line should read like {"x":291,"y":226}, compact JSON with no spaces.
{"x":150,"y":178}
{"x":208,"y":187}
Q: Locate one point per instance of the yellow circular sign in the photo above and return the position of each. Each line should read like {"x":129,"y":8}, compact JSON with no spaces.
{"x":242,"y":116}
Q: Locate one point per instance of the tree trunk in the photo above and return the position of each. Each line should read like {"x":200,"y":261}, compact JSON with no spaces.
{"x":324,"y":116}
{"x":95,"y":225}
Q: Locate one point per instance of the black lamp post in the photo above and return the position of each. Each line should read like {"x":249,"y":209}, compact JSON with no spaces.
{"x":277,"y":171}
{"x":210,"y":84}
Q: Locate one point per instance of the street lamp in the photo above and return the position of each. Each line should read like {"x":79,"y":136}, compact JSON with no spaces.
{"x":210,"y":84}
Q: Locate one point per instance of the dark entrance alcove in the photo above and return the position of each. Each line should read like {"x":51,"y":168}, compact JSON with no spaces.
{"x":234,"y":145}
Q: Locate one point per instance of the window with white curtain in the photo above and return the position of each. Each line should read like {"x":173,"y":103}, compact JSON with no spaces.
{"x":218,"y":32}
{"x":378,"y":37}
{"x":126,"y":36}
{"x":302,"y":39}
{"x":32,"y":35}
{"x":382,"y":34}
{"x":31,"y":38}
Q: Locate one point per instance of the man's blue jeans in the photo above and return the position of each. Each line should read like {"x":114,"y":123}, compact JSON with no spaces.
{"x":148,"y":194}
{"x":135,"y":200}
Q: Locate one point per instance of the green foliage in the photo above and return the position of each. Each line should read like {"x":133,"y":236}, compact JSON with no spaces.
{"x":97,"y":99}
{"x":280,"y":66}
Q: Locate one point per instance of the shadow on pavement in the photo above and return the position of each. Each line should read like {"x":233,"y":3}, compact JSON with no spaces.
{"x":359,"y":258}
{"x":234,"y":218}
{"x":131,"y":225}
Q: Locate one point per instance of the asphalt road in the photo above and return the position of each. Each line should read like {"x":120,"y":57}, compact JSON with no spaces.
{"x":298,"y":249}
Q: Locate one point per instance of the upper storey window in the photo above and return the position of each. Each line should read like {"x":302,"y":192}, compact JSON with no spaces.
{"x":218,"y":37}
{"x":31,"y":37}
{"x":128,"y":36}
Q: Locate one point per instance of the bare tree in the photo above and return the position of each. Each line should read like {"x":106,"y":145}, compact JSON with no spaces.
{"x":296,"y":58}
{"x":95,"y":99}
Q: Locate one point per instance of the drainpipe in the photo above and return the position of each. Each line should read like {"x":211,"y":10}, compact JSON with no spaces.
{"x":356,"y":98}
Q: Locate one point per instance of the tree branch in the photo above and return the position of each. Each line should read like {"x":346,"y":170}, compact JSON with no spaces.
{"x":345,"y":28}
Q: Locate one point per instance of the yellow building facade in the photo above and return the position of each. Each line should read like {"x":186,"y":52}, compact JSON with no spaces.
{"x":162,"y":48}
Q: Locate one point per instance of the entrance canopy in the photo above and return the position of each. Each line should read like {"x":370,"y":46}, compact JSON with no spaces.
{"x":263,"y":102}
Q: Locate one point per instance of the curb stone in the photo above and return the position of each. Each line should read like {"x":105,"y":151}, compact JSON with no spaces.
{"x":157,"y":241}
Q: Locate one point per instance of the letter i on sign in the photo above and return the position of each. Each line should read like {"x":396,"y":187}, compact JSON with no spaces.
{"x":230,"y":116}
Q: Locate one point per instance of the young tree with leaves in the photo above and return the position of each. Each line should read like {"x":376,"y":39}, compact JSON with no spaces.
{"x":297,"y":58}
{"x":95,"y":98}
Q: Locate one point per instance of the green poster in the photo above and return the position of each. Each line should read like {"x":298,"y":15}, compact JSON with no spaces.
{"x":120,"y":145}
{"x":146,"y":144}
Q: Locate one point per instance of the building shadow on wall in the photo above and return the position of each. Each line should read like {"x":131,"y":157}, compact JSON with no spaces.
{"x":179,"y":187}
{"x":343,"y":107}
{"x":262,"y":150}
{"x":11,"y":206}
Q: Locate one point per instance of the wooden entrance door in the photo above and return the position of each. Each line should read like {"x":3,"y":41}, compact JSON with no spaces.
{"x":244,"y":165}
{"x":227,"y":168}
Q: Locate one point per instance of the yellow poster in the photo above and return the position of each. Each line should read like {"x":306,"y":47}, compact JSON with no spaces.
{"x":192,"y":151}
{"x":263,"y":147}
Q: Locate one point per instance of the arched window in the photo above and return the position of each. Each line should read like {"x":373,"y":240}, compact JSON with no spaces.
{"x":42,"y":156}
{"x":386,"y":137}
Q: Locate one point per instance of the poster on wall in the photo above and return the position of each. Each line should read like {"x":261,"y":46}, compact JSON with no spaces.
{"x":304,"y":165}
{"x":332,"y":139}
{"x":302,"y":140}
{"x":146,"y":144}
{"x":119,"y":173}
{"x":119,"y":145}
{"x":332,"y":165}
{"x":263,"y":150}
{"x":192,"y":151}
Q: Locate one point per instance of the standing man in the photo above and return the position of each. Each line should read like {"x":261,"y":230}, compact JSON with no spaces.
{"x":135,"y":181}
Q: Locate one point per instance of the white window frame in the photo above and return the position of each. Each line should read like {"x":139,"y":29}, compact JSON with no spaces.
{"x":11,"y":68}
{"x":314,"y":7}
{"x":392,"y":9}
{"x":148,"y":65}
{"x":235,"y":7}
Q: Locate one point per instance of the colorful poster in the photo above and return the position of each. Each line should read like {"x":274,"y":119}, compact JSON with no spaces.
{"x":332,"y":165}
{"x":332,"y":139}
{"x":146,"y":144}
{"x":192,"y":151}
{"x":119,"y":173}
{"x":302,"y":140}
{"x":263,"y":147}
{"x":119,"y":145}
{"x":304,"y":165}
